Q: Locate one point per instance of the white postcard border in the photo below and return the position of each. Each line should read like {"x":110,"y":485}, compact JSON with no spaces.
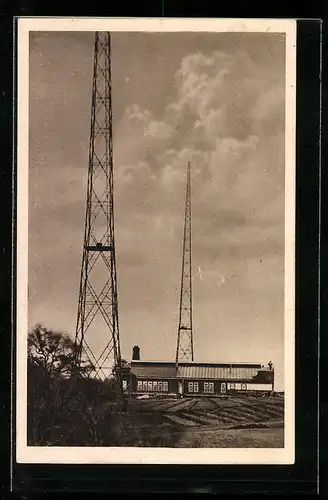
{"x":129,"y":455}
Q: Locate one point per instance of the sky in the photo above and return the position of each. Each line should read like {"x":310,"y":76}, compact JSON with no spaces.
{"x":214,"y":99}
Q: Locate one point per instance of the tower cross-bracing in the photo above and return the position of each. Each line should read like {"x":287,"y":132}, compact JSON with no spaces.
{"x":97,"y":329}
{"x":185,"y":349}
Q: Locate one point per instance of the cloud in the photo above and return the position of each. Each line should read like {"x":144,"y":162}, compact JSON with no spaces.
{"x":220,"y":120}
{"x":201,"y":80}
{"x":159,"y":130}
{"x":227,"y":93}
{"x":136,"y":114}
{"x":132,"y":173}
{"x":226,"y":118}
{"x":147,"y":126}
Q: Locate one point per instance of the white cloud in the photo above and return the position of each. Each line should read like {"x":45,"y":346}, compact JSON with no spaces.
{"x":215,"y":98}
{"x":159,"y":130}
{"x":130,"y":173}
{"x":200,"y":81}
{"x":169,"y":175}
{"x":229,"y":155}
{"x":134,"y":112}
{"x":235,"y":170}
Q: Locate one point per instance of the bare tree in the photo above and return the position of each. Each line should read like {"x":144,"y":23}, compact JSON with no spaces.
{"x":53,"y":352}
{"x":63,"y":408}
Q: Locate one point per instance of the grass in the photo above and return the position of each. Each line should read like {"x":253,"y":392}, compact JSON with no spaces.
{"x":180,"y":421}
{"x":61,"y":414}
{"x":216,"y":422}
{"x":233,"y":438}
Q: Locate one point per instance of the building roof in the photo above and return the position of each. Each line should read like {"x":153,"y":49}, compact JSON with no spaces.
{"x":218,"y":371}
{"x":149,"y":369}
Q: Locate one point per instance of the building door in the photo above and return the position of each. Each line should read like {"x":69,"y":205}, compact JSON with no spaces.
{"x":223,"y":387}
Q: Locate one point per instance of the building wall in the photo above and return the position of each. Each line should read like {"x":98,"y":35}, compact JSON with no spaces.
{"x":197,"y":386}
{"x":259,"y":387}
{"x":190,"y":387}
{"x":209,"y":387}
{"x":236,"y":387}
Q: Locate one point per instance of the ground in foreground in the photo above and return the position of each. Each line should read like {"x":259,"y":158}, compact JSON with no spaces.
{"x":233,"y":438}
{"x":229,"y":422}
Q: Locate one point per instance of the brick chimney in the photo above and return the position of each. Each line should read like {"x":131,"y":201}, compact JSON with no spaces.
{"x":136,"y":353}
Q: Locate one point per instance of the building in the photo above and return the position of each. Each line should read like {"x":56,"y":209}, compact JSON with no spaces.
{"x":195,"y":379}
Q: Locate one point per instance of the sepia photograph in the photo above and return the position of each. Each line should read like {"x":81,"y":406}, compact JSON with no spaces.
{"x":155,"y":240}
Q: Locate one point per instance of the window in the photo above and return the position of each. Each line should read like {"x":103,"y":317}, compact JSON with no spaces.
{"x":232,"y":386}
{"x":144,"y":385}
{"x":160,"y":386}
{"x":193,"y":387}
{"x":150,"y":385}
{"x":208,"y":387}
{"x":155,"y":386}
{"x":165,"y":386}
{"x":223,"y":387}
{"x":125,"y":385}
{"x":139,"y":387}
{"x":243,"y":387}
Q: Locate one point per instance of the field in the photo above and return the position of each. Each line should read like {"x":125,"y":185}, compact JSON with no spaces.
{"x":62,"y":414}
{"x":237,"y":422}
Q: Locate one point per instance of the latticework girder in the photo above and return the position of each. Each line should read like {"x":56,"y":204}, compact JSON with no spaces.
{"x":97,"y":329}
{"x":185,"y":349}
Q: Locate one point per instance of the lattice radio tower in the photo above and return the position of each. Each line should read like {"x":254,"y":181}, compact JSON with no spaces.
{"x":97,"y":330}
{"x":185,"y":349}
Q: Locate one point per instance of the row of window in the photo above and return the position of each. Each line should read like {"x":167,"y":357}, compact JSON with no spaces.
{"x":161,"y":386}
{"x":152,"y":385}
{"x":209,"y":387}
{"x":237,"y":387}
{"x":194,"y":387}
